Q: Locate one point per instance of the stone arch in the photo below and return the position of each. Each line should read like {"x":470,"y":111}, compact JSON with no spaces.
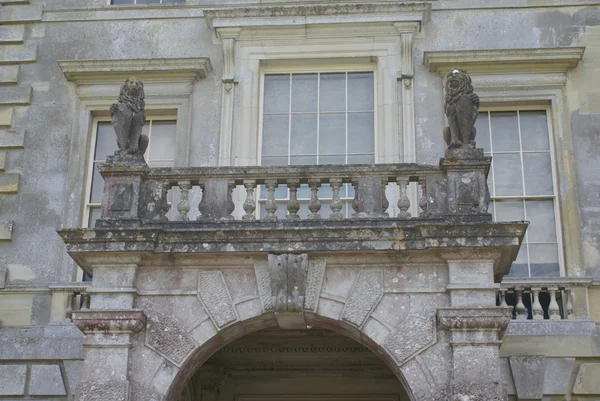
{"x":289,"y":291}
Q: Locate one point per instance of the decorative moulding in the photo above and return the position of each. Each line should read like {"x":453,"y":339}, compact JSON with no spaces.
{"x":559,"y":59}
{"x":112,"y":71}
{"x":308,"y":14}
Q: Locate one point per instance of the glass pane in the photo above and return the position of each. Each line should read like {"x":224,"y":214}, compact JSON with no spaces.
{"x":97,"y":186}
{"x":505,"y":131}
{"x":281,"y":192}
{"x":147,"y":1}
{"x":274,"y":161}
{"x":360,"y":91}
{"x":275,"y":135}
{"x":122,"y":1}
{"x":304,"y":92}
{"x":361,"y":159}
{"x":482,"y":124}
{"x":519,"y":267}
{"x":332,"y":133}
{"x":333,"y":92}
{"x":325,"y":192}
{"x":303,"y":160}
{"x":304,"y":134}
{"x":162,"y":143}
{"x":361,"y":136}
{"x":95,"y":213}
{"x":507,"y":174}
{"x":332,"y":159}
{"x":544,"y":260}
{"x":161,"y":163}
{"x":534,"y":130}
{"x":106,"y":141}
{"x":304,"y":192}
{"x":277,"y":94}
{"x":538,"y":174}
{"x":543,"y":225}
{"x":509,"y":211}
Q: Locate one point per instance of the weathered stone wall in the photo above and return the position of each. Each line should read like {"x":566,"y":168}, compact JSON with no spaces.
{"x":41,"y":139}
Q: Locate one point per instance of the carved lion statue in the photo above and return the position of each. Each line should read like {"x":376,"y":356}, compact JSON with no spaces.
{"x":128,"y":117}
{"x":461,"y":107}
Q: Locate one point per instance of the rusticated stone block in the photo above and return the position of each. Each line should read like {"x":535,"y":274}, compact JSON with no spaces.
{"x":9,"y":183}
{"x":587,"y":381}
{"x":411,"y":335}
{"x":46,"y":380}
{"x":21,"y":13}
{"x":482,"y":391}
{"x":558,"y":375}
{"x":314,"y":281}
{"x":263,"y":280}
{"x":168,"y":338}
{"x":12,"y":379}
{"x":113,"y":390}
{"x":364,"y":296}
{"x":528,"y":374}
{"x":6,"y":229}
{"x":12,"y":33}
{"x":215,"y":297}
{"x":11,"y":138}
{"x":17,"y":95}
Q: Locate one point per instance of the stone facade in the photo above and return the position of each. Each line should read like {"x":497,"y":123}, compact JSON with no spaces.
{"x":419,"y":305}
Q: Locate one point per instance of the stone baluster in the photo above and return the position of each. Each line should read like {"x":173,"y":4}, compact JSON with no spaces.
{"x":271,"y":205}
{"x":202,"y":206}
{"x":230,"y":203}
{"x":336,"y":202}
{"x":520,"y":309}
{"x":569,"y":294}
{"x":385,"y":203}
{"x":423,"y":200}
{"x":502,"y":298}
{"x":70,"y":301}
{"x":293,"y":205}
{"x":355,"y":203}
{"x":315,"y":204}
{"x":536,"y":306}
{"x":403,"y":201}
{"x":85,"y":301}
{"x":249,"y":203}
{"x":554,"y":308}
{"x":184,"y":205}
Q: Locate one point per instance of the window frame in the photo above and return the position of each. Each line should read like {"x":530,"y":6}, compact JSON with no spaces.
{"x":312,"y":68}
{"x":547,"y":109}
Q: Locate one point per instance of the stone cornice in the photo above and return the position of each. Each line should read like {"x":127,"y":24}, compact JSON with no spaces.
{"x":495,"y":61}
{"x":192,"y":240}
{"x":147,"y":70}
{"x":305,"y":14}
{"x":495,"y":319}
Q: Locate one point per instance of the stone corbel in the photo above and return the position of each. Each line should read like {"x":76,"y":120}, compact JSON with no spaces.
{"x":228,"y":37}
{"x":493,"y":320}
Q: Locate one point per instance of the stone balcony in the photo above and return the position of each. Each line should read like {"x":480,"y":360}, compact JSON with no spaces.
{"x":452,"y":210}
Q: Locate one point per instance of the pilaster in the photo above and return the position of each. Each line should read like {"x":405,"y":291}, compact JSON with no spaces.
{"x":108,"y":326}
{"x":475,"y":325}
{"x":228,"y":39}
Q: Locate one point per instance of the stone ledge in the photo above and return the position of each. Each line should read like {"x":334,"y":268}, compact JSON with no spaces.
{"x":551,"y":328}
{"x":536,"y":60}
{"x":110,"y":321}
{"x":116,"y":71}
{"x":190,"y":239}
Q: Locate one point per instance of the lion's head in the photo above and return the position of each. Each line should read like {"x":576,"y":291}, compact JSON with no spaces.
{"x":132,"y":91}
{"x":457,"y":83}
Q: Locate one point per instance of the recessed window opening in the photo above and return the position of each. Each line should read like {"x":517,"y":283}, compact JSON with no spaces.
{"x":317,"y":118}
{"x":523,"y":185}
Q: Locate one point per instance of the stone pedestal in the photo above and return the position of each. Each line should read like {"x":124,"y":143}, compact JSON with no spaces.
{"x":466,"y":171}
{"x":122,"y":189}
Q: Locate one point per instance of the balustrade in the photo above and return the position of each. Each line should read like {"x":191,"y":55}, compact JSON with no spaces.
{"x":538,"y":299}
{"x":69,"y":298}
{"x":169,"y":194}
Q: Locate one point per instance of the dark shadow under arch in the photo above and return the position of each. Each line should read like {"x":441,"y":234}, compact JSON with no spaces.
{"x":243,"y":328}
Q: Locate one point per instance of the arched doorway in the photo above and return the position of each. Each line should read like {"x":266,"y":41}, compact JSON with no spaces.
{"x":294,"y":365}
